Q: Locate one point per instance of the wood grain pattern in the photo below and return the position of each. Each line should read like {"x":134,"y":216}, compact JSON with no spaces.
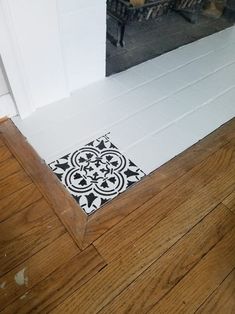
{"x":4,"y":153}
{"x":19,"y":200}
{"x":36,"y":228}
{"x":120,"y":207}
{"x":232,"y":141}
{"x":1,"y":141}
{"x":13,"y":183}
{"x":85,"y":229}
{"x":8,"y":167}
{"x":56,"y":195}
{"x":37,"y":268}
{"x":222,"y":300}
{"x":227,"y":129}
{"x":167,"y":271}
{"x":134,"y":258}
{"x":229,"y":201}
{"x":173,"y":229}
{"x":222,"y":163}
{"x":60,"y":284}
{"x":207,"y":275}
{"x":112,"y":213}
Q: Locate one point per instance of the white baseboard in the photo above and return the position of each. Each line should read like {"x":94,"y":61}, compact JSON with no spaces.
{"x":7,"y":106}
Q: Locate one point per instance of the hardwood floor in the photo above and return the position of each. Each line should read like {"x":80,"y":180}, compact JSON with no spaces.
{"x":167,"y":248}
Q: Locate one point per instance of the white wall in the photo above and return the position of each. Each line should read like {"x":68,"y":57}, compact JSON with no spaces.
{"x":35,"y":24}
{"x":83,"y":33}
{"x":10,"y":60}
{"x":34,"y":31}
{"x":51,"y":47}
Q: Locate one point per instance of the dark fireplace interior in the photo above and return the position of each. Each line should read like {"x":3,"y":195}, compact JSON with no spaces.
{"x":139,"y":30}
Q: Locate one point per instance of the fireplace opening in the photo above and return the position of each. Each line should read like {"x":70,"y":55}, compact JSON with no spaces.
{"x":139,"y":30}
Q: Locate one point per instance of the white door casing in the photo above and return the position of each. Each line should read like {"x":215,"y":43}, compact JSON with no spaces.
{"x":3,"y":85}
{"x":31,"y":52}
{"x":11,"y":60}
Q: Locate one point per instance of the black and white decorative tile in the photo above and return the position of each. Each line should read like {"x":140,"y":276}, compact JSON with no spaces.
{"x":96,"y":173}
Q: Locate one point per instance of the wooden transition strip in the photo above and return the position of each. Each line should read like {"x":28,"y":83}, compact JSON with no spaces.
{"x":87,"y":228}
{"x":64,"y":205}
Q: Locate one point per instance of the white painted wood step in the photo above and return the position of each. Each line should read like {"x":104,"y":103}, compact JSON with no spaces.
{"x":152,"y":111}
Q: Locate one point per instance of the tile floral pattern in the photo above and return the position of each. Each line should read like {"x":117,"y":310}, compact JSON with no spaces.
{"x":96,"y":173}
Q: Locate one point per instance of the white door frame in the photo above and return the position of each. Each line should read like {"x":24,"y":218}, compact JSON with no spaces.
{"x":10,"y":54}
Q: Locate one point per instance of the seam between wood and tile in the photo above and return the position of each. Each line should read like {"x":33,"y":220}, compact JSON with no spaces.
{"x":226,"y":143}
{"x":148,"y":177}
{"x":80,"y":235}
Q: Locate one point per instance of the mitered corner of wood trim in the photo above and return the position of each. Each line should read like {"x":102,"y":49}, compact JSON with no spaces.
{"x":89,"y":238}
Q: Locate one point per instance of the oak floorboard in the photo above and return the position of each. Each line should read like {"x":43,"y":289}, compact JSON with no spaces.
{"x":50,"y":292}
{"x":136,"y":196}
{"x":168,"y":270}
{"x":27,"y":232}
{"x":233,"y":141}
{"x":1,"y":141}
{"x":222,"y":300}
{"x":37,"y":268}
{"x":8,"y":167}
{"x":219,"y":166}
{"x":207,"y":275}
{"x":230,"y":202}
{"x":18,"y":200}
{"x":13,"y":183}
{"x":134,"y":258}
{"x":4,"y":153}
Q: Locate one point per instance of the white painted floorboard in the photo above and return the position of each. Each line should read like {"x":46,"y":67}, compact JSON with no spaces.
{"x":153,"y":111}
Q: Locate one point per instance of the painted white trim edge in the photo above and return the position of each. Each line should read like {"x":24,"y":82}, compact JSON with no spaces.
{"x":7,"y":106}
{"x":11,"y":58}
